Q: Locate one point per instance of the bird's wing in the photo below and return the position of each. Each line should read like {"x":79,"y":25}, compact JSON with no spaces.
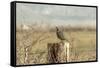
{"x":61,"y":35}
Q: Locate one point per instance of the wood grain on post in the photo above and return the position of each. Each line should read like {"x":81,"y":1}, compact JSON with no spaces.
{"x":57,"y":53}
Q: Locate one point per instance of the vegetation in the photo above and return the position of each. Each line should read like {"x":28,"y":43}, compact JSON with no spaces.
{"x":32,"y":44}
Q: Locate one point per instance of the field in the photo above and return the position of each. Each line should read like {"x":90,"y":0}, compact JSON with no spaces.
{"x":32,"y":45}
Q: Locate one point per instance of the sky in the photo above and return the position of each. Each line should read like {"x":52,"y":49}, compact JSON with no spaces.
{"x":55,"y":14}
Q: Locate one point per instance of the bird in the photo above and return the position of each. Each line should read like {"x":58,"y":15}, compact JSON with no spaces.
{"x":60,"y":34}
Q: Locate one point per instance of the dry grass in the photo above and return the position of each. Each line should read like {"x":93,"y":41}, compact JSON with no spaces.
{"x":32,"y":46}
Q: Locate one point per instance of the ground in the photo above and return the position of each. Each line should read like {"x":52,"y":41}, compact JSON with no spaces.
{"x":32,"y":45}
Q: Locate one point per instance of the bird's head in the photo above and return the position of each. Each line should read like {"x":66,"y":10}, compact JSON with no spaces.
{"x":57,"y":28}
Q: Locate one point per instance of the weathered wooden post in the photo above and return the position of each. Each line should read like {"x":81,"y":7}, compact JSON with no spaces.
{"x":26,"y":61}
{"x":58,"y":52}
{"x":66,"y":44}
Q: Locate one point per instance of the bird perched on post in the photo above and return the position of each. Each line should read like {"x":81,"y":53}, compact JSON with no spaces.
{"x":64,"y":42}
{"x":60,"y":34}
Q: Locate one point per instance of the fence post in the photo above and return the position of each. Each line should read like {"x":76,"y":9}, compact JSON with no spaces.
{"x":58,"y":52}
